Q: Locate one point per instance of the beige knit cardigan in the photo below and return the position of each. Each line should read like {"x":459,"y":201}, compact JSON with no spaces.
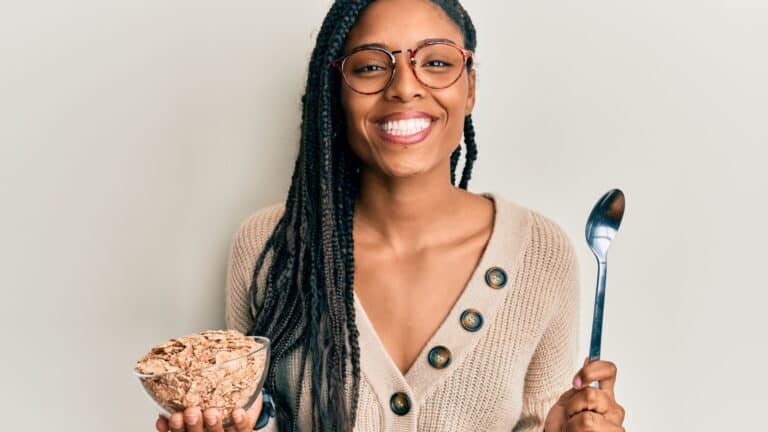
{"x":503,"y":377}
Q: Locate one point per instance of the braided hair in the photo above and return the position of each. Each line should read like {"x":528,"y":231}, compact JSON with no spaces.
{"x":308,"y":305}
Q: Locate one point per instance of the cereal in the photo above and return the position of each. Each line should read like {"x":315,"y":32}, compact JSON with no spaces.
{"x":210,"y":369}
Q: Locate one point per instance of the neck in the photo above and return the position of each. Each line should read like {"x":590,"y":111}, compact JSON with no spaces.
{"x":406,"y":213}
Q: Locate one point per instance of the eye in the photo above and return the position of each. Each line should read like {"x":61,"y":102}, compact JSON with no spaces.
{"x":437,"y":63}
{"x":369,"y":68}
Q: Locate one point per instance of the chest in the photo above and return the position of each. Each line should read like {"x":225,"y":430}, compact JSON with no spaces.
{"x":407,"y":298}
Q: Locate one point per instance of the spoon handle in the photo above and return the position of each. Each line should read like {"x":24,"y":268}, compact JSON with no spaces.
{"x":597,"y":318}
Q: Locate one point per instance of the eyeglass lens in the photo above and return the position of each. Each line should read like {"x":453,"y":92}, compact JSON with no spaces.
{"x":370,"y":70}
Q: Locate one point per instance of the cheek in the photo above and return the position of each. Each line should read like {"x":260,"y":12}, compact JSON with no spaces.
{"x":355,"y":104}
{"x":458,"y":97}
{"x":454,"y":103}
{"x":355,"y":109}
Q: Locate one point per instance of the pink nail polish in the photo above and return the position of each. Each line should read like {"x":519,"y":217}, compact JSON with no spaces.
{"x":577,"y":382}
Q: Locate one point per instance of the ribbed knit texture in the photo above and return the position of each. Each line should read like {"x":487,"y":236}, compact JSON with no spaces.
{"x":505,"y":377}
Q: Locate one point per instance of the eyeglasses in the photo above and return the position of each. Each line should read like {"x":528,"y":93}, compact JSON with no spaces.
{"x":436,"y":64}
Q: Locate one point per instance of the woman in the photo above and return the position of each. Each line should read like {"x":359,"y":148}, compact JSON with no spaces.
{"x":395,"y":300}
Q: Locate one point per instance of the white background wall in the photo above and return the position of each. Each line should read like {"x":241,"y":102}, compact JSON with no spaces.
{"x":136,"y":135}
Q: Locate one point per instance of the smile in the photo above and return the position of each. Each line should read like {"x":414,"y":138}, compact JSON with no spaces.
{"x":405,"y":131}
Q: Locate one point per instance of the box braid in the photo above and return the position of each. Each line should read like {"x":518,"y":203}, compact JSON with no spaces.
{"x":308,"y":304}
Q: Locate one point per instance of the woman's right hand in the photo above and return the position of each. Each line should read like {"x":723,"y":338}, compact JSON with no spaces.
{"x":192,"y":420}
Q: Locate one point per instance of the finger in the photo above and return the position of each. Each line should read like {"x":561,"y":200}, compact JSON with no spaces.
{"x":597,"y":370}
{"x":161,"y":424}
{"x":616,"y":414}
{"x":589,"y":399}
{"x":176,"y":423}
{"x":565,"y":397}
{"x":241,"y":421}
{"x":213,"y":422}
{"x":193,"y":419}
{"x":254,"y":411}
{"x":244,"y":421}
{"x":588,"y":421}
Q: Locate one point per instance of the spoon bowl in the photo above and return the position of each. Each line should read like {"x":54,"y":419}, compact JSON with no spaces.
{"x":603,"y":223}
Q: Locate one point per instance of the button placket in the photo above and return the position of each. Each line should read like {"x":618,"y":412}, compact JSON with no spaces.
{"x":400,"y":403}
{"x":471,"y":320}
{"x":511,"y":231}
{"x":496,"y":278}
{"x":439,"y":357}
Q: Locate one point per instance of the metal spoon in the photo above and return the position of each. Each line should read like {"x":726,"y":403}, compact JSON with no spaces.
{"x":602,"y":225}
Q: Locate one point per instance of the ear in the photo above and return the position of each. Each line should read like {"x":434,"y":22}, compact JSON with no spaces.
{"x":470,"y":93}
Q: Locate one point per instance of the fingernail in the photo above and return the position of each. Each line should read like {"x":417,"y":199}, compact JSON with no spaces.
{"x":176,"y":422}
{"x":577,"y":382}
{"x":211,"y":420}
{"x":191,"y":419}
{"x":237,"y":416}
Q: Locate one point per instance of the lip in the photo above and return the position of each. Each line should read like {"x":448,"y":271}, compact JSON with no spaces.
{"x":404,"y":116}
{"x":405,"y":139}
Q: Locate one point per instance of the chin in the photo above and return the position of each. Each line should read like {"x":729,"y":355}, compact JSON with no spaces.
{"x":404,"y":170}
{"x":399,"y":163}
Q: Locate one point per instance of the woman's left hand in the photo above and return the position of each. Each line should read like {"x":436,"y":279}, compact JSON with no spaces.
{"x":193,"y":420}
{"x":587,"y":409}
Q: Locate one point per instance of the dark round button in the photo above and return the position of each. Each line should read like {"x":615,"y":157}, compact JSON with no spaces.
{"x":496,"y":277}
{"x":439,"y":357}
{"x":471,"y":320}
{"x":400,"y":403}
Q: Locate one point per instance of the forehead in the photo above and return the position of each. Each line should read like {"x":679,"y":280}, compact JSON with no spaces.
{"x":402,"y":24}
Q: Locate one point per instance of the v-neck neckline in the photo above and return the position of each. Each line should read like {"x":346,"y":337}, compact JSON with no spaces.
{"x":509,"y":231}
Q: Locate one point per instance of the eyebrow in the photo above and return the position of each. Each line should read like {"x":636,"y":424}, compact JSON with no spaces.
{"x":386,"y":47}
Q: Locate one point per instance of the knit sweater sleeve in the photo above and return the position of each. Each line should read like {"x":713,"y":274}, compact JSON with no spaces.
{"x":245,"y":246}
{"x":554,"y":362}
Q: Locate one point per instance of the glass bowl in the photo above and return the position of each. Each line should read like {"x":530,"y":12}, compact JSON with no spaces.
{"x":226,"y":386}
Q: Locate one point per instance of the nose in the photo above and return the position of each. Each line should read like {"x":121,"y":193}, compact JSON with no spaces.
{"x":404,"y":85}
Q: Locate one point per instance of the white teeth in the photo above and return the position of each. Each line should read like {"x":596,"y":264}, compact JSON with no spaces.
{"x":405,"y":127}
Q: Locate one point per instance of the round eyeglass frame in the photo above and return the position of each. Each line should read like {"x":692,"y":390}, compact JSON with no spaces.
{"x":465,"y":53}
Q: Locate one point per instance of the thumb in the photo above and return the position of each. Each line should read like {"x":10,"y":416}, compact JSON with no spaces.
{"x":254,"y":411}
{"x":578,"y":379}
{"x":245,"y":420}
